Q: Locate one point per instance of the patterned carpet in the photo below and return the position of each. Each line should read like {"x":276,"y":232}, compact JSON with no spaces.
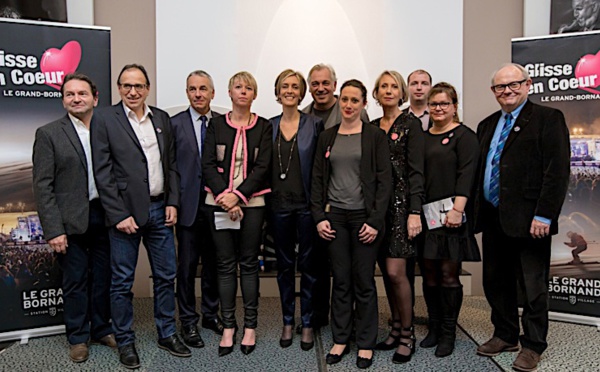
{"x":572,"y":348}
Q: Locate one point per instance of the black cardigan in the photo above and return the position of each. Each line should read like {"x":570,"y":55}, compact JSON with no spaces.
{"x":218,"y":157}
{"x":375,"y":174}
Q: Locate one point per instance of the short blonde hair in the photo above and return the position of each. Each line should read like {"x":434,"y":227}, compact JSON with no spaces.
{"x":247,"y":78}
{"x":286,"y":74}
{"x":399,"y":80}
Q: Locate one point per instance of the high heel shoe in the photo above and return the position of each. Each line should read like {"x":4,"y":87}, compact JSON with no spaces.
{"x":336,"y":358}
{"x":247,"y":349}
{"x":224,"y":350}
{"x":401,"y":358}
{"x":396,"y":338}
{"x":306,"y":333}
{"x":287,"y":342}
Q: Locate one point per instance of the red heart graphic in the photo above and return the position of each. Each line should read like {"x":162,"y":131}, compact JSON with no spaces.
{"x":589,"y":65}
{"x":61,"y":62}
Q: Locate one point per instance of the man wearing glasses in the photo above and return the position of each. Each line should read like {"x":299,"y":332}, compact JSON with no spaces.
{"x":134,"y":164}
{"x":521,"y":185}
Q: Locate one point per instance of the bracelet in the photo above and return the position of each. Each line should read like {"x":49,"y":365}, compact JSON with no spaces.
{"x":456,"y":210}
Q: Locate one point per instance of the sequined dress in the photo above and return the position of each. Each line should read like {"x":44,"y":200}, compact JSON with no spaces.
{"x":406,"y":141}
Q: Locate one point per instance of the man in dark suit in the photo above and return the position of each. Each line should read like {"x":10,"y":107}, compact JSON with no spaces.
{"x":134,"y":163}
{"x":193,"y":230}
{"x":522,"y":182}
{"x":73,"y":218}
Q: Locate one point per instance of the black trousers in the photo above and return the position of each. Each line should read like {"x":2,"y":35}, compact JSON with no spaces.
{"x":511,"y":263}
{"x":86,"y":281}
{"x":353,"y":266}
{"x":289,"y":227}
{"x":194,"y":242}
{"x":241,"y":247}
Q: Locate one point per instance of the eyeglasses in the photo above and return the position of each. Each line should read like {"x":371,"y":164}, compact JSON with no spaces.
{"x":442,"y":105}
{"x":137,"y":87}
{"x":514,"y":85}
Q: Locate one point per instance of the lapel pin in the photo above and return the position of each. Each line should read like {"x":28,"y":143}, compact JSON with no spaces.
{"x":328,"y":152}
{"x":158,"y":130}
{"x":394,"y":136}
{"x":445,"y":141}
{"x":517,"y":129}
{"x":451,"y":135}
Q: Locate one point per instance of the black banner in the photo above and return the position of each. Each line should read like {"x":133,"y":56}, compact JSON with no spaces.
{"x":34,"y":59}
{"x":566,"y":75}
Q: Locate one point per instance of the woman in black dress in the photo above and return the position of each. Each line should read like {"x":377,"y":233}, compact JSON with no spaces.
{"x":351,"y":189}
{"x":451,"y":151}
{"x":295,"y":137}
{"x":405,"y":138}
{"x":236,"y":162}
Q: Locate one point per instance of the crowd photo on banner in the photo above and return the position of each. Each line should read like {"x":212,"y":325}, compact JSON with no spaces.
{"x":327,"y":191}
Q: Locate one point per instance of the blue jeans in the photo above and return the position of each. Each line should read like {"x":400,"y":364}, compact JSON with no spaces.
{"x":86,"y":281}
{"x":289,"y":227}
{"x":160,"y":244}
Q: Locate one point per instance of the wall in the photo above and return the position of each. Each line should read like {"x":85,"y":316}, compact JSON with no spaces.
{"x":484,"y":49}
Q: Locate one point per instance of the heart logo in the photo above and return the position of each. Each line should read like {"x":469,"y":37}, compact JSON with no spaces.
{"x":60,"y":62}
{"x":589,"y":65}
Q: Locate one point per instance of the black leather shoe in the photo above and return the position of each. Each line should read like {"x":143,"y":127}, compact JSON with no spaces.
{"x":191,"y":336}
{"x":128,"y":356}
{"x":336,"y":358}
{"x":174,"y":346}
{"x":224,"y":350}
{"x":215,"y":325}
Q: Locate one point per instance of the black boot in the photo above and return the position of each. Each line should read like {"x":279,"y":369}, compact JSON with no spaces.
{"x":451,"y":300}
{"x":432,"y":299}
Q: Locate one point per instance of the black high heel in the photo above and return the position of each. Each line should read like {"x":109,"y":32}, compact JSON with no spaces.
{"x":247,"y":349}
{"x":224,"y":350}
{"x":401,"y":358}
{"x":385,"y":346}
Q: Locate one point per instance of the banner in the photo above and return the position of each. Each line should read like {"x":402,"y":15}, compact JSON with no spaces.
{"x":566,"y":75}
{"x":34,"y":59}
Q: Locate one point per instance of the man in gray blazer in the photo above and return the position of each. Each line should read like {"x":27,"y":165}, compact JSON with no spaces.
{"x":193,"y":229}
{"x":138,"y":182}
{"x":73,"y":218}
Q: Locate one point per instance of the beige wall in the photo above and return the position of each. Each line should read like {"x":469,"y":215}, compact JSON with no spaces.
{"x":485,"y":48}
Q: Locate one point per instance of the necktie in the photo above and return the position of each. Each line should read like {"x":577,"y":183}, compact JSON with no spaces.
{"x":495,"y":175}
{"x":203,"y":120}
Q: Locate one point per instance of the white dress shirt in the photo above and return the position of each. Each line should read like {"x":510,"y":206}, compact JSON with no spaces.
{"x":84,"y":137}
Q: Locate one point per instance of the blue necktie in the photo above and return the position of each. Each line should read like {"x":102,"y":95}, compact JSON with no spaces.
{"x":203,"y":120}
{"x":495,"y":175}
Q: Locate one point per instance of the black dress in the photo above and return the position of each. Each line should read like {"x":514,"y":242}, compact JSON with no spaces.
{"x":450,"y":163}
{"x":405,"y":138}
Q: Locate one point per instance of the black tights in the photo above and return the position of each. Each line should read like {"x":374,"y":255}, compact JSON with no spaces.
{"x":441,"y":273}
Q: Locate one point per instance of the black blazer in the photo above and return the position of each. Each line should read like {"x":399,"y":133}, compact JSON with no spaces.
{"x":375,"y":174}
{"x":534,"y":169}
{"x":60,"y":179}
{"x":120,"y":164}
{"x":309,"y":129}
{"x":189,"y":166}
{"x":429,"y":125}
{"x":218,"y":157}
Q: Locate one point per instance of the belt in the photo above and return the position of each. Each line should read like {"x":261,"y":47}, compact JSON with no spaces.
{"x":157,"y":198}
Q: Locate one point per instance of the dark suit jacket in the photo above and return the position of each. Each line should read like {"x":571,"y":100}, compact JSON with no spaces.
{"x":309,"y":129}
{"x":375,"y":174}
{"x":534,"y":169}
{"x":219,"y":149}
{"x":60,"y":179}
{"x":189,"y":166}
{"x":120,"y":164}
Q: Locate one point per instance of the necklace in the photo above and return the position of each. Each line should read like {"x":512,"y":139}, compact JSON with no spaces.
{"x":282,"y":174}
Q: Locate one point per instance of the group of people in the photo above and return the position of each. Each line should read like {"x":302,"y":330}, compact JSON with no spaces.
{"x":338,"y":194}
